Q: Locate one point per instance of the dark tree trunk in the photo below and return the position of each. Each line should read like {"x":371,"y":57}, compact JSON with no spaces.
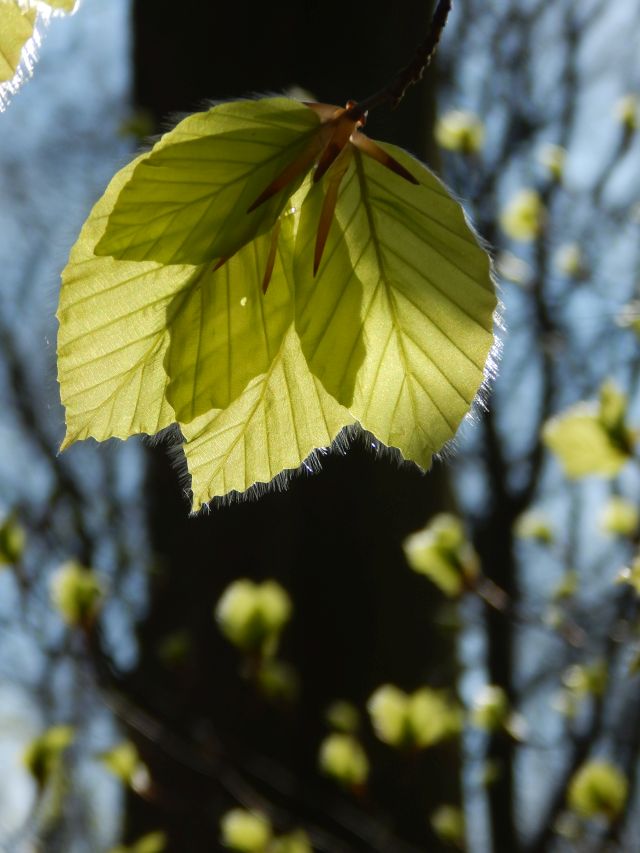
{"x":333,"y":539}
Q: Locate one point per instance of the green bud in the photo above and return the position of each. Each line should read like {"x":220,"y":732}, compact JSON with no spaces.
{"x":293,"y":842}
{"x":552,"y":158}
{"x":245,"y":832}
{"x":414,"y":721}
{"x":152,"y":842}
{"x":620,"y":517}
{"x":458,"y":130}
{"x":567,"y":586}
{"x":586,"y":679}
{"x":568,"y":260}
{"x":388,"y":708}
{"x":343,"y":716}
{"x":278,"y":681}
{"x":252,"y":615}
{"x":43,"y":755}
{"x":449,"y":825}
{"x":626,"y":111}
{"x":124,"y":762}
{"x":523,"y":216}
{"x":490,"y":709}
{"x":76,"y":593}
{"x":534,"y":524}
{"x":432,"y":717}
{"x":598,"y":789}
{"x":343,"y":758}
{"x":631,"y":574}
{"x":12,"y":541}
{"x":441,"y":552}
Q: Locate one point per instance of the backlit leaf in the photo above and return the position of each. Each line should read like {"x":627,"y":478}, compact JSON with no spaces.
{"x":278,"y":421}
{"x":224,"y":331}
{"x":112,"y":339}
{"x":398,"y":321}
{"x":592,"y":438}
{"x":221,"y":285}
{"x":142,"y":345}
{"x":16,"y":28}
{"x":63,"y":5}
{"x":188,"y":201}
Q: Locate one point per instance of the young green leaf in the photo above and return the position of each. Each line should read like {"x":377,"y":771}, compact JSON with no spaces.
{"x":16,"y":28}
{"x":189,"y":201}
{"x":279,"y":420}
{"x":308,"y":304}
{"x":63,"y":5}
{"x":398,"y":321}
{"x":112,"y":338}
{"x":224,"y":331}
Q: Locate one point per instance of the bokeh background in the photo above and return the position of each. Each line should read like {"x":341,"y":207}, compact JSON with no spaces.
{"x":531,"y":115}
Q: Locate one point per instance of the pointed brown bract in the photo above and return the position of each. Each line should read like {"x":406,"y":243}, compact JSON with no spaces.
{"x":344,"y":127}
{"x":373,"y":150}
{"x":271,"y":258}
{"x":326,"y":143}
{"x":300,"y":165}
{"x":334,"y":179}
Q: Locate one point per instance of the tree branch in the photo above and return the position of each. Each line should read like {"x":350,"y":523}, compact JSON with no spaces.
{"x":412,"y":73}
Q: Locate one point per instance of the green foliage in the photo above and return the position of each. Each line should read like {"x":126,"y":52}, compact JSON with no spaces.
{"x":535,"y":525}
{"x":125,"y":764}
{"x":631,"y":574}
{"x":12,"y":541}
{"x":461,"y":131}
{"x":598,"y":790}
{"x":523,"y":216}
{"x":245,"y":832}
{"x":587,"y":679}
{"x":293,"y":842}
{"x":63,"y":5}
{"x":413,"y":721}
{"x":343,"y":716}
{"x":449,"y":825}
{"x":152,"y":842}
{"x":252,"y":615}
{"x":490,"y":709}
{"x":76,"y":593}
{"x":343,"y":758}
{"x":620,"y":517}
{"x":569,"y":261}
{"x":592,"y":439}
{"x":188,"y":201}
{"x":43,"y":755}
{"x":16,"y":28}
{"x":222,"y":284}
{"x":626,"y":110}
{"x":552,"y":158}
{"x":442,"y":553}
{"x":277,"y":681}
{"x":567,"y":586}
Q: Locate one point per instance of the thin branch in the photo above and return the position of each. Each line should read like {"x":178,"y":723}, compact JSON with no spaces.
{"x":412,"y":73}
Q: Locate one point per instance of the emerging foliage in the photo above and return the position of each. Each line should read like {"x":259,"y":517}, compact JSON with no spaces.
{"x":265,"y":277}
{"x":20,"y":36}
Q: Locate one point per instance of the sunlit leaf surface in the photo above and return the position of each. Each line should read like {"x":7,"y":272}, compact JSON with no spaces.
{"x":306,"y":306}
{"x":583,"y":445}
{"x":282,"y":417}
{"x":16,"y":28}
{"x":398,"y":321}
{"x":188,"y":201}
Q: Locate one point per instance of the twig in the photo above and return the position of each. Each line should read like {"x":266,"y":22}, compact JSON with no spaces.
{"x":412,"y":73}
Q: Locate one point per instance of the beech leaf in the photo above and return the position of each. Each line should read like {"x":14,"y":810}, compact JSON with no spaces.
{"x":189,"y":200}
